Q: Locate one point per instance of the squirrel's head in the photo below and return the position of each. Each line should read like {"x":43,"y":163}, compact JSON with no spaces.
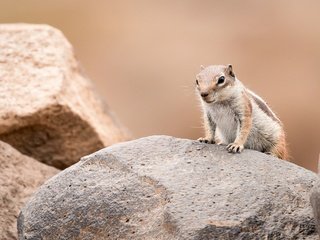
{"x":213,"y":82}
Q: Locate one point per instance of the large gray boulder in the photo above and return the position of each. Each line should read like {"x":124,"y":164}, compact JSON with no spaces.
{"x":20,"y":176}
{"x":49,"y":109}
{"x":167,"y":188}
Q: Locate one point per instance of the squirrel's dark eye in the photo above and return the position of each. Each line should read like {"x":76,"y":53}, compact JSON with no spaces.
{"x":197,"y":82}
{"x":221,"y":80}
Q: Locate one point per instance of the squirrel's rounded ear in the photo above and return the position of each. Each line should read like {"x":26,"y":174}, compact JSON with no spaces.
{"x":202,"y":67}
{"x":230,"y":71}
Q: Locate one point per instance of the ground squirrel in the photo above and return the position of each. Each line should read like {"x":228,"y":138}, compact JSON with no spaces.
{"x":236,"y":116}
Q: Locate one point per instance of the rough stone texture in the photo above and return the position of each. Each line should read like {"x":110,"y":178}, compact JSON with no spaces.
{"x":19,"y":177}
{"x":315,"y":202}
{"x":166,"y":188}
{"x":48,"y":109}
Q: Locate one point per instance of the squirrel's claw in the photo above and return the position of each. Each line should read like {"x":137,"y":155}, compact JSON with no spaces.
{"x":235,"y":148}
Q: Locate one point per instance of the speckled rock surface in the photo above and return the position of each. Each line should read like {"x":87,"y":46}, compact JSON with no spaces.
{"x":162,"y":187}
{"x":20,"y":176}
{"x":48,"y":108}
{"x":315,"y":203}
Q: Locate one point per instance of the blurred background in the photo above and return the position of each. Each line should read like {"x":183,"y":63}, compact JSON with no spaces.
{"x":143,"y":56}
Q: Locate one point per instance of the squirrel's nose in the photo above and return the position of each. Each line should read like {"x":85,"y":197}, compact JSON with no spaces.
{"x":205,"y":94}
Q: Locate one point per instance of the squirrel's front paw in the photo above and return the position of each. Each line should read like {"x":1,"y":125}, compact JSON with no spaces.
{"x":234,"y":148}
{"x":205,"y":140}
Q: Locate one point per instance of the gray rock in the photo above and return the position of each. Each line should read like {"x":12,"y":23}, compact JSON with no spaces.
{"x":48,"y":109}
{"x":167,"y":188}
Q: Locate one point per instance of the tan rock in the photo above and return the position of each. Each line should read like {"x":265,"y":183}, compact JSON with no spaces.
{"x":48,"y":108}
{"x":315,"y":203}
{"x":20,"y":176}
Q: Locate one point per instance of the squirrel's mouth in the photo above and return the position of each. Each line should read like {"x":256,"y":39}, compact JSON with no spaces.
{"x":208,"y":98}
{"x":208,"y":101}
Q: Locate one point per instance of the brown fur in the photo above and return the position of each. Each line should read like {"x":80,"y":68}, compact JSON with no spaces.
{"x":246,"y":122}
{"x":209,"y":133}
{"x":280,"y":149}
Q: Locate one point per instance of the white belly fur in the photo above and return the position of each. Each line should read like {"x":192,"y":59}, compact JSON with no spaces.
{"x":227,"y":125}
{"x":263,"y":134}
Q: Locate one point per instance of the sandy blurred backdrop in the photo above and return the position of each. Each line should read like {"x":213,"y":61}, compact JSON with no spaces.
{"x":143,"y":56}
